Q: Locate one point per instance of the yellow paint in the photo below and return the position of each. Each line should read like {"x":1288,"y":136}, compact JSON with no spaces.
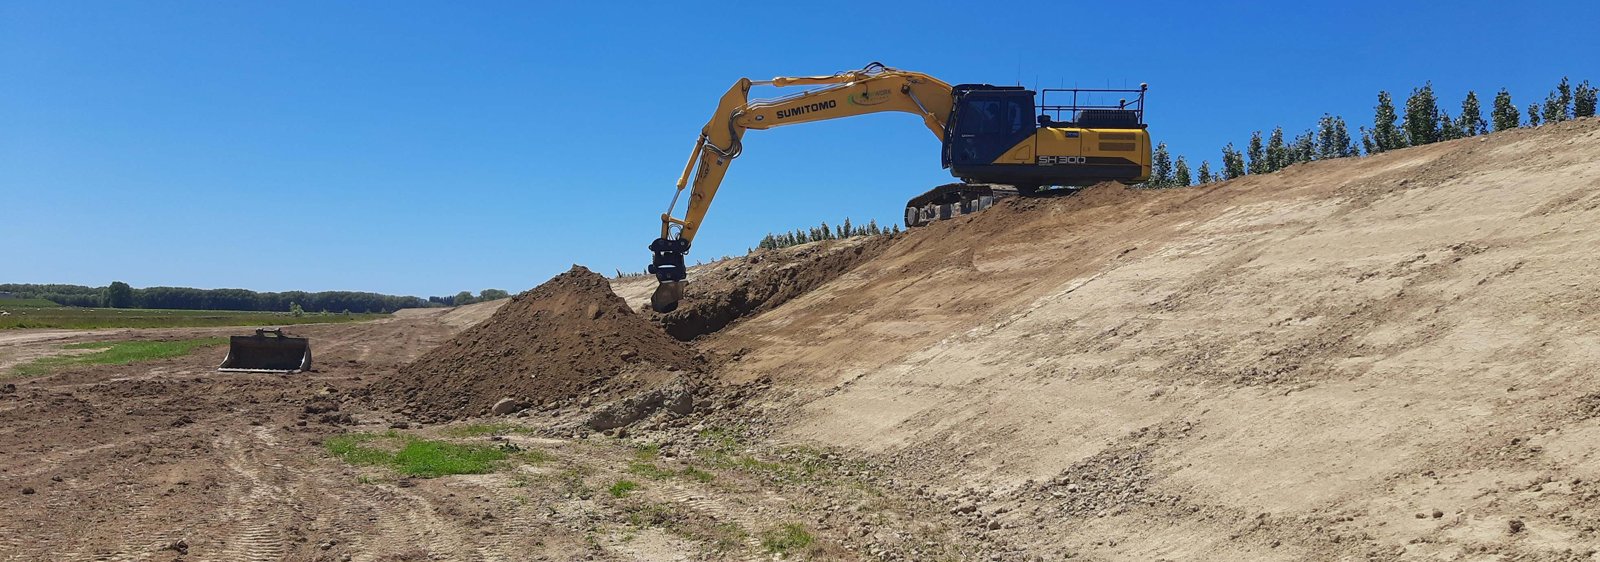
{"x":873,"y":89}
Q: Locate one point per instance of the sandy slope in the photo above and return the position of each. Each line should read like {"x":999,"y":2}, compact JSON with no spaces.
{"x":1386,"y":358}
{"x":1286,"y":366}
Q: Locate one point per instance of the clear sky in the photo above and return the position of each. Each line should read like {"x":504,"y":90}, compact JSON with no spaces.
{"x":429,"y":147}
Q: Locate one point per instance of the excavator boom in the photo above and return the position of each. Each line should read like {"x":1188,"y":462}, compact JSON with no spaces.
{"x":987,"y":133}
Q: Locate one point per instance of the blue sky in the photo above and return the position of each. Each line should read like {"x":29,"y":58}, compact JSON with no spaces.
{"x":425,"y":148}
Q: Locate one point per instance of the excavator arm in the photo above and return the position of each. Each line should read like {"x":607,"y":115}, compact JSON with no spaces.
{"x":874,"y":89}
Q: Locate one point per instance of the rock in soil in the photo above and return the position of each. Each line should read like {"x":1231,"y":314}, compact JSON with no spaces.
{"x":675,"y":397}
{"x":506,"y":406}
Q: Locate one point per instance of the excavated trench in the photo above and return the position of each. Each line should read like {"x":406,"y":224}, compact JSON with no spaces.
{"x":735,"y":289}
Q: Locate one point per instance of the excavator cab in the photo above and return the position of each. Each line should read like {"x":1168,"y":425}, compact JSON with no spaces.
{"x":998,"y":135}
{"x":986,"y":122}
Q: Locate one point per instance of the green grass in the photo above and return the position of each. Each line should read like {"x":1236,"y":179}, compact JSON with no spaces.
{"x":8,"y":304}
{"x":85,"y":318}
{"x":786,"y":539}
{"x":536,"y":456}
{"x":429,"y":459}
{"x":479,"y":430}
{"x":650,"y":515}
{"x":412,"y":456}
{"x":572,"y":480}
{"x":727,"y":536}
{"x":698,"y":475}
{"x":649,"y":470}
{"x":118,"y":352}
{"x":622,"y":488}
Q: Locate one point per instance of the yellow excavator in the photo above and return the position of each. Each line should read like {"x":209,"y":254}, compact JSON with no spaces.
{"x":996,"y":140}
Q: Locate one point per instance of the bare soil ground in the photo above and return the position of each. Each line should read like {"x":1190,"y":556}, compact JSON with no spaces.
{"x":1391,"y":357}
{"x":171,"y":460}
{"x":1385,"y":358}
{"x":569,"y":336}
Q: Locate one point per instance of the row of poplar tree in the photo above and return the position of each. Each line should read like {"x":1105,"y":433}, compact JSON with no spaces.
{"x":1423,"y":123}
{"x":813,"y":234}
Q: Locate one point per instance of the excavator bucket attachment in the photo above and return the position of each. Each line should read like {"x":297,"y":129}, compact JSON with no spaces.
{"x":268,"y":351}
{"x":667,"y":295}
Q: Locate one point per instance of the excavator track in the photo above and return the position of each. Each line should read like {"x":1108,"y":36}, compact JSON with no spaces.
{"x":955,"y":199}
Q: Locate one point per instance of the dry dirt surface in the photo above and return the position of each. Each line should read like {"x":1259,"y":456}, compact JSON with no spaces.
{"x":721,"y":293}
{"x":1394,"y":357}
{"x":568,"y":336}
{"x":171,"y":460}
{"x":150,"y":461}
{"x":1384,"y":358}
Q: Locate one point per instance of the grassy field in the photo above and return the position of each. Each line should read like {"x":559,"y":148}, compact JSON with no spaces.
{"x":113,"y":352}
{"x":7,"y":304}
{"x":84,"y":318}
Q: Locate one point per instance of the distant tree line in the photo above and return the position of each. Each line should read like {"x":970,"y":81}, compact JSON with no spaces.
{"x":465,"y":297}
{"x":120,"y":295}
{"x":1422,"y":122}
{"x":814,"y":234}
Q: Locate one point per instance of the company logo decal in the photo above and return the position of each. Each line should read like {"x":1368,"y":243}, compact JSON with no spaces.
{"x":870,"y":98}
{"x":804,"y":109}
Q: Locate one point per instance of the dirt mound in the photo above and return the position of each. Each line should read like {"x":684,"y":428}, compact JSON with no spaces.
{"x":1384,"y":354}
{"x":724,"y":292}
{"x":570,"y":335}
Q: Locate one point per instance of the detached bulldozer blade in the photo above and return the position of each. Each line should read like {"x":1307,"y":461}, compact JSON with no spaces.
{"x":269,"y":351}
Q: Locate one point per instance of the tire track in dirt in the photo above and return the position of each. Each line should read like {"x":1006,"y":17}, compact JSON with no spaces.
{"x":128,"y":513}
{"x":516,"y":521}
{"x":142,"y":536}
{"x":439,"y":536}
{"x":407,"y":522}
{"x":394,"y":531}
{"x":136,"y":534}
{"x":59,"y":458}
{"x":709,"y":506}
{"x":256,"y":507}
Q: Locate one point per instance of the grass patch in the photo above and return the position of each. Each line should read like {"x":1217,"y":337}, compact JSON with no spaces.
{"x":412,"y":456}
{"x":622,"y":488}
{"x":698,"y":475}
{"x":650,"y":515}
{"x":429,"y":459}
{"x":648,"y":452}
{"x":536,"y":456}
{"x":648,"y":470}
{"x":116,"y":353}
{"x":787,"y":539}
{"x":722,"y":440}
{"x":478,"y":430}
{"x":85,"y":318}
{"x":572,"y":480}
{"x":725,"y":537}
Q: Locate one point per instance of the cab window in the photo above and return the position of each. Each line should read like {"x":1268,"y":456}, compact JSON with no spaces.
{"x":981,"y":117}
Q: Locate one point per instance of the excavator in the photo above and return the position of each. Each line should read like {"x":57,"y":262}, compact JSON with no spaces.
{"x":995,"y":139}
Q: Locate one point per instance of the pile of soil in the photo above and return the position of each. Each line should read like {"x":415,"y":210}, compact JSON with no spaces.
{"x":733,"y":289}
{"x":564,"y":338}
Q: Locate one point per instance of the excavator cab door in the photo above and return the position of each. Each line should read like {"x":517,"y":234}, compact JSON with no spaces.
{"x":986,"y":123}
